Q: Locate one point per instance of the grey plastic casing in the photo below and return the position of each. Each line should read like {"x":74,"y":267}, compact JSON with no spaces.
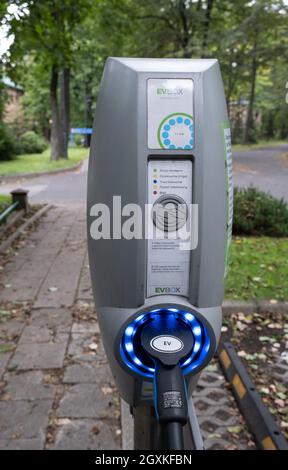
{"x":118,"y":166}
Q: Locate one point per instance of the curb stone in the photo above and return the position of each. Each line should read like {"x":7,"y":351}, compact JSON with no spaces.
{"x":7,"y":243}
{"x":261,"y":306}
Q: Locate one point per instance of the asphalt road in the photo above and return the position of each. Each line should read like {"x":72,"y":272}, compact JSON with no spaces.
{"x":265,"y":168}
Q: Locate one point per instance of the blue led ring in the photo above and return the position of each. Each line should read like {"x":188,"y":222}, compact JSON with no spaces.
{"x":132,"y":358}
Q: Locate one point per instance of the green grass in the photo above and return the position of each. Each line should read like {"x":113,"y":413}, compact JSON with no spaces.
{"x":4,"y":201}
{"x":260,"y":144}
{"x":258,"y":269}
{"x":39,"y":163}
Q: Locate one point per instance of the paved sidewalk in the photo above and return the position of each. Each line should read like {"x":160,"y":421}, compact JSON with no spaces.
{"x":56,"y":389}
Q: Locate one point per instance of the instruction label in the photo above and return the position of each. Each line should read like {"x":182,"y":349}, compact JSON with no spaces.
{"x":167,"y":265}
{"x":170,"y":114}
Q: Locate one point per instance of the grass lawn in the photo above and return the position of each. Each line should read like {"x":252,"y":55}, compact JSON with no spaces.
{"x":39,"y":163}
{"x":4,"y":201}
{"x":260,"y":144}
{"x":258,"y":269}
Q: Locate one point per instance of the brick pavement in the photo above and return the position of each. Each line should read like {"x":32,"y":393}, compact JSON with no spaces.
{"x":56,"y":388}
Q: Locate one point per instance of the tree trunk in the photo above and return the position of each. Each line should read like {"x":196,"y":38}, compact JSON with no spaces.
{"x":65,"y":109}
{"x":55,"y":124}
{"x":250,"y":120}
{"x":185,"y":29}
{"x":207,"y":25}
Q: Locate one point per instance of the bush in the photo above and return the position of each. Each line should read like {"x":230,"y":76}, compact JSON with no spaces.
{"x":30,"y":142}
{"x":7,"y":146}
{"x":259,"y":213}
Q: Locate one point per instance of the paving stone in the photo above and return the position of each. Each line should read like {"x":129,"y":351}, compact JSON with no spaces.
{"x":26,"y":272}
{"x":11,"y":329}
{"x":65,"y":272}
{"x":87,"y":373}
{"x":85,"y":289}
{"x":80,"y":373}
{"x":21,"y":444}
{"x":216,"y":412}
{"x":280,"y":370}
{"x":86,"y":327}
{"x":4,"y":359}
{"x":28,"y":386}
{"x":84,"y":401}
{"x":85,"y":434}
{"x":36,"y":334}
{"x":24,"y":419}
{"x":60,"y":318}
{"x":80,"y":347}
{"x":40,"y":355}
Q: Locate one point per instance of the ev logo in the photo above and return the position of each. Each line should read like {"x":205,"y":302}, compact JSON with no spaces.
{"x":166,"y":344}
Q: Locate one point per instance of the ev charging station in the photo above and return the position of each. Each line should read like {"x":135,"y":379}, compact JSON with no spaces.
{"x":161,"y":141}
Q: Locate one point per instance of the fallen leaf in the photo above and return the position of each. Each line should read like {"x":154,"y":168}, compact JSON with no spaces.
{"x":53,"y":289}
{"x":6,"y":397}
{"x":234,"y":429}
{"x":241,"y":353}
{"x":63,"y":421}
{"x":95,"y":430}
{"x":107,"y":390}
{"x":265,"y":390}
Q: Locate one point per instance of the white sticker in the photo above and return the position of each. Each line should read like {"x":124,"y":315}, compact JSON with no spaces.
{"x":166,"y":344}
{"x":170,"y":114}
{"x":167,"y":265}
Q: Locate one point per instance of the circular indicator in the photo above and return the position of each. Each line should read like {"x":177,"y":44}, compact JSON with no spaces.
{"x":166,"y":344}
{"x":169,"y":212}
{"x":176,"y":131}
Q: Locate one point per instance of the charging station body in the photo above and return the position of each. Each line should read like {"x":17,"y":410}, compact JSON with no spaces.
{"x":161,"y":134}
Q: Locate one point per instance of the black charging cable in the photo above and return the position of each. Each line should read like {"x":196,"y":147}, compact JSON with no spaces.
{"x":167,"y":343}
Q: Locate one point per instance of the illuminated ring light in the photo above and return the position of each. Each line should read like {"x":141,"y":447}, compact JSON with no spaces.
{"x":136,"y":359}
{"x":171,"y":127}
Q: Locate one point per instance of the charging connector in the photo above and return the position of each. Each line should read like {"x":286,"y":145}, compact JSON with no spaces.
{"x":167,"y":342}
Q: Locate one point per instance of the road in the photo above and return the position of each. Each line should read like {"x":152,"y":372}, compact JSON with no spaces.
{"x":265,"y":168}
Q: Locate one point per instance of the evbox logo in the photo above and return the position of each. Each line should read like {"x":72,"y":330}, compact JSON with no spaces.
{"x":170,"y":91}
{"x":167,"y":290}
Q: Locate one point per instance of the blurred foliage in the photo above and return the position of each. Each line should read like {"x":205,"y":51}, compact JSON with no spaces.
{"x":249,"y":39}
{"x":30,"y":142}
{"x":259,"y":213}
{"x":7,"y":145}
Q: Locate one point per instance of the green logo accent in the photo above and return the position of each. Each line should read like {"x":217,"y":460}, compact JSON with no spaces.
{"x":226,"y":125}
{"x":165,"y":119}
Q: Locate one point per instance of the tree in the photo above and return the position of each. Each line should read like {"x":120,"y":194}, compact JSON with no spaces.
{"x":45,"y":30}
